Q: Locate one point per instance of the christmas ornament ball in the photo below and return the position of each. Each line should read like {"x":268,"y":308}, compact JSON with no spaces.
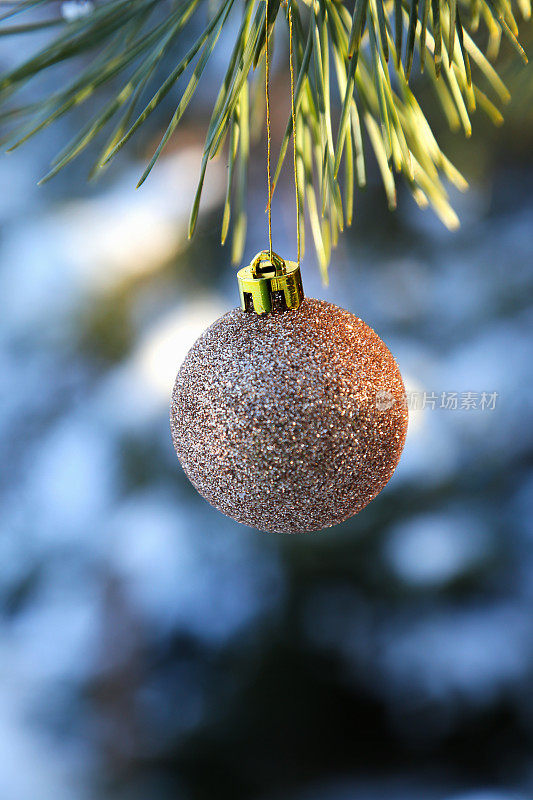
{"x":289,"y":422}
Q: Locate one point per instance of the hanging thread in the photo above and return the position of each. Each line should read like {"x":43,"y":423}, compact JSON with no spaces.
{"x":293,"y":115}
{"x":267,"y":99}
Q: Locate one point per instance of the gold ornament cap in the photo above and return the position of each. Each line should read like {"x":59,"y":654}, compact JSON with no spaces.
{"x":270,"y":284}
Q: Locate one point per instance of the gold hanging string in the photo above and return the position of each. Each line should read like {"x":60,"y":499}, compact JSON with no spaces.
{"x":267,"y":102}
{"x":293,"y":115}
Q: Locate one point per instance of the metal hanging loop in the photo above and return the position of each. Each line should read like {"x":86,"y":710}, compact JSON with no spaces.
{"x":270,"y":284}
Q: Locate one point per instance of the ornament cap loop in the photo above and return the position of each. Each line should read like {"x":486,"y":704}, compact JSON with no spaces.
{"x":265,"y":266}
{"x":270,"y":284}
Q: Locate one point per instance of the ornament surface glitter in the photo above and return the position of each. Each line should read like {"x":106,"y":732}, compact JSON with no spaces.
{"x":289,"y":422}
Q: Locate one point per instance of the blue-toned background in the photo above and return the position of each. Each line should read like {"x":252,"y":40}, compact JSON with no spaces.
{"x":152,"y":648}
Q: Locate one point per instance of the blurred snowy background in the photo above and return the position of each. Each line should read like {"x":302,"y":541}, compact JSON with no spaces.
{"x":151,"y":648}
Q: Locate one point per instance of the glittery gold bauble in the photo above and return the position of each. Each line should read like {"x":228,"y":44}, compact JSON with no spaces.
{"x":289,"y":422}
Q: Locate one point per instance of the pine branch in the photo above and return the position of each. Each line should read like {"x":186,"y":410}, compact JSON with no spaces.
{"x":369,"y":48}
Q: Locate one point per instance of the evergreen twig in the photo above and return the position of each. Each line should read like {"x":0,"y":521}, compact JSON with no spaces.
{"x":373,"y":44}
